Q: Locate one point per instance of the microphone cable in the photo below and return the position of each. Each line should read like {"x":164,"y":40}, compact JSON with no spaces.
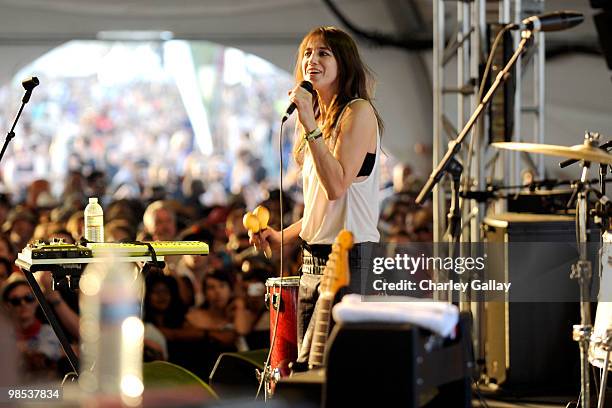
{"x":481,"y":88}
{"x":264,"y":373}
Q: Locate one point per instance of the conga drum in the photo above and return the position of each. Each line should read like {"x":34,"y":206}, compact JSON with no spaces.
{"x":282,"y":298}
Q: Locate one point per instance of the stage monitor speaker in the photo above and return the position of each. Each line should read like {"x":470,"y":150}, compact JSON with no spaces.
{"x":387,"y":364}
{"x":398,"y":365}
{"x":371,"y":364}
{"x":528,"y":344}
{"x":168,"y":384}
{"x":234,"y":374}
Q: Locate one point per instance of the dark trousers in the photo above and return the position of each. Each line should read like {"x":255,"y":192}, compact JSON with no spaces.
{"x":314,"y":258}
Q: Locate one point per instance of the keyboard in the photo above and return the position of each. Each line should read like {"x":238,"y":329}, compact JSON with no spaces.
{"x":160,"y":247}
{"x":58,"y":252}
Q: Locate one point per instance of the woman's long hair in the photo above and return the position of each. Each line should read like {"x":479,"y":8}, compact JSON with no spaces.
{"x":355,"y":80}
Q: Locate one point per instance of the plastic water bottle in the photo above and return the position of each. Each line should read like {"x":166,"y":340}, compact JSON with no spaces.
{"x":112,"y":333}
{"x":94,"y":221}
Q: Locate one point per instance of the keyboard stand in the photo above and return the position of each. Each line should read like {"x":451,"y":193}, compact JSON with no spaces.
{"x":62,"y":268}
{"x":48,"y":310}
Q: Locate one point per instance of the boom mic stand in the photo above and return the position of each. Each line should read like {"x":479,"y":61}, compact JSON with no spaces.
{"x":28,"y":84}
{"x":449,"y":161}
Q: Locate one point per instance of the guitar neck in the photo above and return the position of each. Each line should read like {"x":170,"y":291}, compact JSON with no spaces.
{"x":335,"y":276}
{"x":321,"y":332}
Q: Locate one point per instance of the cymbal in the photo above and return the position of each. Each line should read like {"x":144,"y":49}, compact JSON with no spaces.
{"x":577,"y":152}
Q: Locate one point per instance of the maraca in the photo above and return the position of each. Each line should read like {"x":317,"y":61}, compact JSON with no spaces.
{"x":263,"y":216}
{"x":252,"y":223}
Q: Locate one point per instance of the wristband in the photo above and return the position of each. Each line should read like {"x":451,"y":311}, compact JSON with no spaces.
{"x":315,"y":134}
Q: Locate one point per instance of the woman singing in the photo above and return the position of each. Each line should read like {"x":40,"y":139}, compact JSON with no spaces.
{"x":338,"y":148}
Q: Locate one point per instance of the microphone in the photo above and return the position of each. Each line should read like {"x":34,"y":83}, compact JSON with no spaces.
{"x":307,"y":85}
{"x":29,"y":84}
{"x":553,"y":21}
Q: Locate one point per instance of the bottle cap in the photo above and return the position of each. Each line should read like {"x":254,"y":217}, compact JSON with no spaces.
{"x":93,"y":200}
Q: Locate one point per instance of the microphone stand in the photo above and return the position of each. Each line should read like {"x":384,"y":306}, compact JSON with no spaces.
{"x":11,"y":134}
{"x":454,"y":146}
{"x":454,"y":213}
{"x":453,"y":231}
{"x":47,"y":310}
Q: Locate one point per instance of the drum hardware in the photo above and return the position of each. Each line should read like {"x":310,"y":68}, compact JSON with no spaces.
{"x":582,"y":272}
{"x":269,"y":376}
{"x":536,"y":186}
{"x":586,"y":153}
{"x":273,"y":300}
{"x":601,"y":216}
{"x":535,"y":197}
{"x":568,"y":162}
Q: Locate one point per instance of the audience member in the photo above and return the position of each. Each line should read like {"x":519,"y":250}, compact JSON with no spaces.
{"x":76,"y":225}
{"x":252,"y":315}
{"x":164,"y":309}
{"x":218,"y":315}
{"x":159,"y":222}
{"x":20,"y":226}
{"x":37,"y":343}
{"x":6,"y":268}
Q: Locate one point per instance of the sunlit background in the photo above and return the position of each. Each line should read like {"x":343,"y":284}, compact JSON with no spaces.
{"x":146,"y":114}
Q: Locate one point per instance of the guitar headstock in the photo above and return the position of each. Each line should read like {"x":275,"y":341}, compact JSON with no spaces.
{"x":337,"y":272}
{"x":345,"y":240}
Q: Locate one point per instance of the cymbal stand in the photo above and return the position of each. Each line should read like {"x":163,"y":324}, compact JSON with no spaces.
{"x":605,"y":341}
{"x":582,"y":272}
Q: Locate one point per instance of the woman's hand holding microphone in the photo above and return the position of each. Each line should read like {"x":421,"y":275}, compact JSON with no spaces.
{"x":302,"y":96}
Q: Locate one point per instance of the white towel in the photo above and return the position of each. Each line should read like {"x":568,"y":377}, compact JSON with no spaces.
{"x":439,"y":317}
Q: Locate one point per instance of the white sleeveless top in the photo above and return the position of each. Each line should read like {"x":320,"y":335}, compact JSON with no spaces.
{"x":357,"y":210}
